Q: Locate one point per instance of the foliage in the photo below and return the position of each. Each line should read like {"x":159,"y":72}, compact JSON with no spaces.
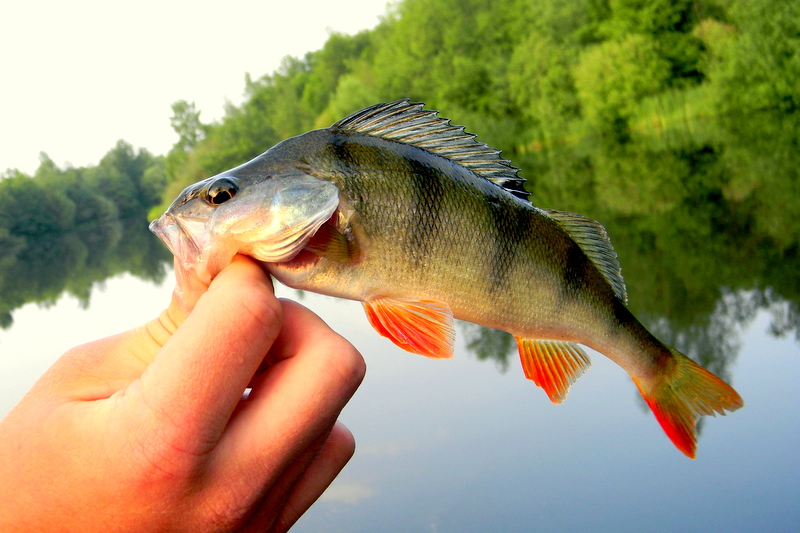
{"x":522,"y":73}
{"x":64,"y":229}
{"x":614,"y":76}
{"x":542,"y":85}
{"x":762,"y":69}
{"x":556,"y":85}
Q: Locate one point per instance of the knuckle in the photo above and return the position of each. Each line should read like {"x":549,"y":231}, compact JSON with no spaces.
{"x":262,"y":308}
{"x":346,"y":360}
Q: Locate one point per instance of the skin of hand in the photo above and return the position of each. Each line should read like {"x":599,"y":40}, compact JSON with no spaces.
{"x":147,"y":430}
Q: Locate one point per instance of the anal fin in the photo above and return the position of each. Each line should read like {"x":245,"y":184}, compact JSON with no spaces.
{"x":422,"y":327}
{"x":552,"y":365}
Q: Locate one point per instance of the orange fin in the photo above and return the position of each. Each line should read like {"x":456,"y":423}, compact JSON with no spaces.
{"x":684,"y":395}
{"x":332,"y":244}
{"x":421,"y":327}
{"x":552,"y":365}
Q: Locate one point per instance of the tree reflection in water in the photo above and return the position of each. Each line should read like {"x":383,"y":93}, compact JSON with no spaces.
{"x":704,"y":217}
{"x":41,"y":270}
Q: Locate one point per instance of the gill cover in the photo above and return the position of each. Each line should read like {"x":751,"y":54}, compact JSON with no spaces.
{"x":270,"y":218}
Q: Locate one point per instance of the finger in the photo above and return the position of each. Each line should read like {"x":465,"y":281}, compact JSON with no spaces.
{"x":197,"y":379}
{"x":293,"y":402}
{"x":100,"y":368}
{"x":188,"y":289}
{"x":268,"y":514}
{"x":328,"y":462}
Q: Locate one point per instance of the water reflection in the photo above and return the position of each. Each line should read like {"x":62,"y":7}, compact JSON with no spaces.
{"x":706,"y":223}
{"x":487,"y":343}
{"x":704,"y":217}
{"x":40,"y":270}
{"x":705,"y":220}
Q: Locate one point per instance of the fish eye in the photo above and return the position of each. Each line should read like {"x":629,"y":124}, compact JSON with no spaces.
{"x":221,"y":191}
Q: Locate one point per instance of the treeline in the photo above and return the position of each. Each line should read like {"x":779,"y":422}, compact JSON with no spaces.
{"x":521,"y":73}
{"x":125,"y":184}
{"x":66,"y":229}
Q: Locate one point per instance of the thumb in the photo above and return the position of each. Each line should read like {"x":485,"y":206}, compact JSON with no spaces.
{"x":188,"y":289}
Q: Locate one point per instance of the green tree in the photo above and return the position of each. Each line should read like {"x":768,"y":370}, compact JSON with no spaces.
{"x":340,"y":56}
{"x":186,"y":122}
{"x":670,"y":24}
{"x":613,"y":77}
{"x":29,"y":209}
{"x":762,"y":67}
{"x":119,"y":177}
{"x":542,"y":85}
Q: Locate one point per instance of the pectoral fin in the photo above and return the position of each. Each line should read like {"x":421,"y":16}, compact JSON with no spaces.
{"x":552,"y":365}
{"x":421,"y":327}
{"x":334,"y":245}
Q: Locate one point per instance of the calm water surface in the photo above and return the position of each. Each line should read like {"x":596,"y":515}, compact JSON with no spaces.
{"x":708,"y":238}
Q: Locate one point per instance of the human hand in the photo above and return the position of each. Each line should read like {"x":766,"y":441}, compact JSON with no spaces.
{"x":146,"y":430}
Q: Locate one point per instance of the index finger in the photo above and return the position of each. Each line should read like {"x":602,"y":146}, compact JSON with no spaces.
{"x":198,"y":377}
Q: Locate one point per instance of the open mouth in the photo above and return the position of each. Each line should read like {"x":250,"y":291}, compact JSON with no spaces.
{"x":174,"y":236}
{"x":166,"y":229}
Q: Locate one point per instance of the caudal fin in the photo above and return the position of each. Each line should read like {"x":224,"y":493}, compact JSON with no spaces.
{"x":688,"y":392}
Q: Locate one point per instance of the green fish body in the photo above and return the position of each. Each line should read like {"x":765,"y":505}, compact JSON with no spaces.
{"x":395,"y":207}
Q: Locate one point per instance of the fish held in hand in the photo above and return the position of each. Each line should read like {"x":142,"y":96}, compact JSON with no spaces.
{"x":395,"y":207}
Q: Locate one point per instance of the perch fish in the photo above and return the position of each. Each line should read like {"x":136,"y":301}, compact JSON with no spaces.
{"x":397,"y":208}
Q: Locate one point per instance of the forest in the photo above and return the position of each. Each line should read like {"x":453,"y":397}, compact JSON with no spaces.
{"x":65,"y":229}
{"x":524,"y":74}
{"x":671,"y":121}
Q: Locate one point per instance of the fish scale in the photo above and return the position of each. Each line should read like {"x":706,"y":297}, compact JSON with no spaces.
{"x":397,"y":208}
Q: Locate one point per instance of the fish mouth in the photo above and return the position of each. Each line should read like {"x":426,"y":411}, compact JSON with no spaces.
{"x":176,"y":238}
{"x":166,"y":229}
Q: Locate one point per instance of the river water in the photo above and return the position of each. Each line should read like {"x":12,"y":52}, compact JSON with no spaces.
{"x":706,"y":230}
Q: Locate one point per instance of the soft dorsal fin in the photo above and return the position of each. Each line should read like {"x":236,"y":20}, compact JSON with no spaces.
{"x":591,"y":236}
{"x":404,"y":122}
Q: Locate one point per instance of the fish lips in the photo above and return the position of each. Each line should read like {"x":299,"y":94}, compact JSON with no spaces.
{"x":175,"y":236}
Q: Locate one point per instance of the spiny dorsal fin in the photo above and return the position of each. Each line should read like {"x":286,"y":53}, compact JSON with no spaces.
{"x":404,"y":122}
{"x":591,"y":236}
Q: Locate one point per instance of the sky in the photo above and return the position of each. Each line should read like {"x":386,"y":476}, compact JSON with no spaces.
{"x":77,"y":76}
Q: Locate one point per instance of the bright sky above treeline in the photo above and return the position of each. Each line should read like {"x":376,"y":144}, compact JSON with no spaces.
{"x":78,"y":76}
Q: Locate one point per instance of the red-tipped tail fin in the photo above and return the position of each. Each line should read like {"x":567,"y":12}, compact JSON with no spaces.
{"x":688,"y":392}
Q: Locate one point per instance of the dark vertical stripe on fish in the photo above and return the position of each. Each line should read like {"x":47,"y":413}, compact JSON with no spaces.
{"x":511,"y":230}
{"x":338,"y":150}
{"x":427,"y":197}
{"x":578,"y":270}
{"x":346,"y":156}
